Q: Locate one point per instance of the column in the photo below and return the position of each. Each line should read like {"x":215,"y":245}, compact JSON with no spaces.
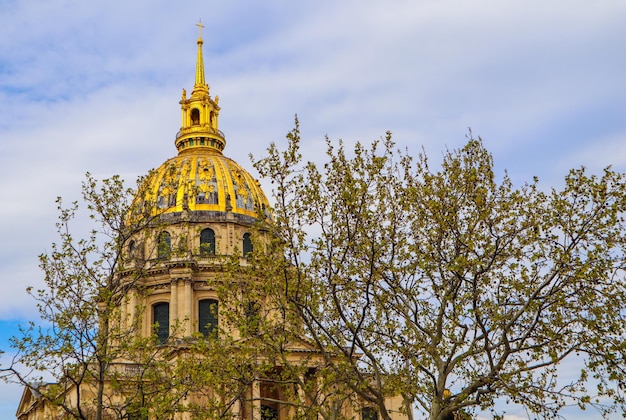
{"x":174,"y":306}
{"x":256,"y":400}
{"x":302,"y":403}
{"x":187,"y":309}
{"x":136,"y":325}
{"x":124,"y":316}
{"x":236,"y":409}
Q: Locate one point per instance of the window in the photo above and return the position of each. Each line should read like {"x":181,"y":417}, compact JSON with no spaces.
{"x":209,"y":197}
{"x":369,"y":413}
{"x":195,"y":116}
{"x":207,"y":242}
{"x":164,"y":245}
{"x":252,"y":317}
{"x":268,"y":412}
{"x":247,"y":245}
{"x":165,"y":201}
{"x":161,"y":318}
{"x":208,"y":317}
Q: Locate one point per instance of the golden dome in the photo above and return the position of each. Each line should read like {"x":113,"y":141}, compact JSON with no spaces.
{"x":200,"y":179}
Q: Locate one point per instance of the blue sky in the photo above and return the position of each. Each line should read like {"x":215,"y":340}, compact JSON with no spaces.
{"x":94,"y":86}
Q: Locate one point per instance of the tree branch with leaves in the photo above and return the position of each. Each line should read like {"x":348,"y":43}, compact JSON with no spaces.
{"x":452,"y":287}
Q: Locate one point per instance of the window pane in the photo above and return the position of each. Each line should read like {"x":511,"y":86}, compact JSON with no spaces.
{"x":208,"y":317}
{"x":252,"y":318}
{"x":247,"y":244}
{"x":207,"y":242}
{"x":161,"y":317}
{"x":369,"y":413}
{"x":164,"y":245}
{"x":268,"y":413}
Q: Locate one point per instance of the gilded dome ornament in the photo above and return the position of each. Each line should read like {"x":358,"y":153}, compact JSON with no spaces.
{"x":201,"y":180}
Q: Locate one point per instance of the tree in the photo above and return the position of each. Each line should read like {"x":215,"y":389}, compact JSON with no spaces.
{"x":295,"y":373}
{"x":452,"y":288}
{"x":73,"y":359}
{"x":90,"y":359}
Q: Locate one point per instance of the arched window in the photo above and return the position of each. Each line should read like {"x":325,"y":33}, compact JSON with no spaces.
{"x":131,"y":248}
{"x":247,"y":244}
{"x":161,"y":319}
{"x":208,"y":317}
{"x":164,"y":245}
{"x":195,"y":116}
{"x":207,"y":242}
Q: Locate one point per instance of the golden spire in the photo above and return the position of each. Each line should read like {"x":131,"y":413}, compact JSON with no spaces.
{"x":200,"y":112}
{"x":200,"y":63}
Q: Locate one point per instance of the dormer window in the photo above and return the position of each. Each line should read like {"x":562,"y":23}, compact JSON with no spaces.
{"x":195,"y":116}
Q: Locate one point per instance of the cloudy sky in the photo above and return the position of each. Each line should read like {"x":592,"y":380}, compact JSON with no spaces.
{"x":94,"y":86}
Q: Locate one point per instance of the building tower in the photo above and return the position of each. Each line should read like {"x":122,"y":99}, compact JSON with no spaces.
{"x":207,"y":205}
{"x":205,"y":211}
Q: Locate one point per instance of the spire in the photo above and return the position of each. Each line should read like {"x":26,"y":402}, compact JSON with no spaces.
{"x":200,"y":112}
{"x":200,"y":63}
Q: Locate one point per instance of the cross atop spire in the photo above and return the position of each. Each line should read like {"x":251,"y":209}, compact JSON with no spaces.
{"x":200,"y":63}
{"x":200,"y":26}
